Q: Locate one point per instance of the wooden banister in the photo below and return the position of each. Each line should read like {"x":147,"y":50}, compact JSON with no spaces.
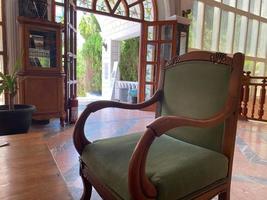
{"x":253,"y":97}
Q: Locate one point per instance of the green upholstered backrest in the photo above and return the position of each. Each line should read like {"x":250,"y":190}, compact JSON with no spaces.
{"x":196,"y":89}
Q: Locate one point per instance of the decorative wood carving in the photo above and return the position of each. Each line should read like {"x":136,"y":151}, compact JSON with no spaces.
{"x":218,"y":58}
{"x":173,"y":61}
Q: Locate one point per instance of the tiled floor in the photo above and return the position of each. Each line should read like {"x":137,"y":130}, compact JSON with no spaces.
{"x":250,"y":161}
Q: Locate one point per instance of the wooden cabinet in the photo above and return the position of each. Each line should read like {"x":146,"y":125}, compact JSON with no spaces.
{"x":41,"y":78}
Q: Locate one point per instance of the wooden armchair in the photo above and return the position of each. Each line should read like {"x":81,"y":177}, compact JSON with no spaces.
{"x":187,"y":152}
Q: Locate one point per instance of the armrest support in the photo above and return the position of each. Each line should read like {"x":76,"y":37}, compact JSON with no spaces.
{"x":80,"y":141}
{"x":138,"y":181}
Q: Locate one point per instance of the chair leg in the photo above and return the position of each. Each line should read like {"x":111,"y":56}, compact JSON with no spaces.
{"x":87,"y":187}
{"x":225,"y":195}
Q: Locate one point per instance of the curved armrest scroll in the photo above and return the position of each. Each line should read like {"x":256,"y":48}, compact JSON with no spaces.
{"x":80,"y":141}
{"x":139,"y":183}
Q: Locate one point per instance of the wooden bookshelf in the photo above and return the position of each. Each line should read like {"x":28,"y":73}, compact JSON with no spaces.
{"x":41,"y":78}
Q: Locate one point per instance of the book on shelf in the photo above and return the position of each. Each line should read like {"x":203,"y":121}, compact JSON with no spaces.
{"x":39,"y":52}
{"x":35,"y":62}
{"x":37,"y":41}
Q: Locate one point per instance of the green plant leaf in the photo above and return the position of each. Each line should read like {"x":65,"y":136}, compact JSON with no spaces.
{"x":2,"y":88}
{"x":90,"y":56}
{"x":129,"y":59}
{"x":2,"y":75}
{"x":4,"y":78}
{"x":8,"y":82}
{"x":18,"y":64}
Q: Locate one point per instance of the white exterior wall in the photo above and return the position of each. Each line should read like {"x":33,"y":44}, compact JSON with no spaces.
{"x":110,"y":56}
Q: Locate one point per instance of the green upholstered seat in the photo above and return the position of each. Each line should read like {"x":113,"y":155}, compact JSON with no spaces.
{"x":175,"y":167}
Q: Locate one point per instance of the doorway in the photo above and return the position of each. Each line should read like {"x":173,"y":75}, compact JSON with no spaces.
{"x":142,"y":12}
{"x":107,"y":57}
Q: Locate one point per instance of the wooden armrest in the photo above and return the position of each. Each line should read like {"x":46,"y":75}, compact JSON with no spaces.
{"x":138,"y":181}
{"x":80,"y":141}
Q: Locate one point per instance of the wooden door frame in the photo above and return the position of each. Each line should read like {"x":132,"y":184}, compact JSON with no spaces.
{"x":143,"y":52}
{"x":70,"y":54}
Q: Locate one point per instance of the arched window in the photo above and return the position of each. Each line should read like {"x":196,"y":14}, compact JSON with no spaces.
{"x":134,"y":10}
{"x":2,"y":44}
{"x":143,"y":10}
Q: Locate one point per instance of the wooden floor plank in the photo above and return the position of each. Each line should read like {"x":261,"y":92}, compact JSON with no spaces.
{"x":28,"y":170}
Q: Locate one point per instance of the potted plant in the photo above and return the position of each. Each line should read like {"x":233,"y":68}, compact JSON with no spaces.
{"x":13,"y":118}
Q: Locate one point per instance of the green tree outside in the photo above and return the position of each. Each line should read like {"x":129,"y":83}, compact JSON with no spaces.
{"x":129,"y":60}
{"x":90,"y":56}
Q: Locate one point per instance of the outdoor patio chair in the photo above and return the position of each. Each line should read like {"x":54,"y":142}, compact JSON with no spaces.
{"x":187,"y":151}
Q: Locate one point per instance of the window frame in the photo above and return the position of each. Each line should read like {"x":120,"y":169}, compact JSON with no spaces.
{"x":236,"y":11}
{"x":112,"y":12}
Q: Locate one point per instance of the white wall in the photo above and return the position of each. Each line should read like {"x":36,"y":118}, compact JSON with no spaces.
{"x":110,"y":56}
{"x":173,"y":7}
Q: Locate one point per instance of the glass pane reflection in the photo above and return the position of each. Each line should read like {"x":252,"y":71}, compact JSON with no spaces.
{"x":151,"y":53}
{"x":166,"y":32}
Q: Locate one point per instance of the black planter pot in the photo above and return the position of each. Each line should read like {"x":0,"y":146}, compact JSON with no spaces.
{"x":16,"y":121}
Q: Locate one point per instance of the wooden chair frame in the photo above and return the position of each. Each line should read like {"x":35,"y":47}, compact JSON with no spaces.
{"x":139,"y":185}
